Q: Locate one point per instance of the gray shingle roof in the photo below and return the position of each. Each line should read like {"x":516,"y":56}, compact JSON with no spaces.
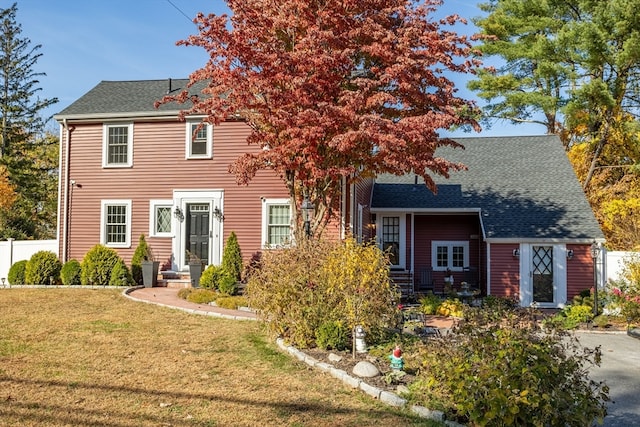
{"x":524,"y":186}
{"x":127,"y":99}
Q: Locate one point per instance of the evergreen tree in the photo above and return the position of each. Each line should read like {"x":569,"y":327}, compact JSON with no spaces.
{"x":27,"y":152}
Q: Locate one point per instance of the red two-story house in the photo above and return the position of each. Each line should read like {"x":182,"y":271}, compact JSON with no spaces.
{"x":515,"y":223}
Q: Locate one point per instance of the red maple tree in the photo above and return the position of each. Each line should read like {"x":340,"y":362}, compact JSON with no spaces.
{"x":333,"y":91}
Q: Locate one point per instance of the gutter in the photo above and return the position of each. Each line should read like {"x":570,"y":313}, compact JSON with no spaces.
{"x":66,"y":194}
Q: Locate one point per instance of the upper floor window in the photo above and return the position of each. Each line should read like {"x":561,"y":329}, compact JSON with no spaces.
{"x":117,"y":147}
{"x":276,"y":222}
{"x":199,"y":140}
{"x":452,"y":255}
{"x":115,"y":223}
{"x":160,"y":218}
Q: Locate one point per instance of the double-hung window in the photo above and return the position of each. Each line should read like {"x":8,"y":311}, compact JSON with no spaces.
{"x":453,"y":255}
{"x":117,"y":145}
{"x":115,"y":223}
{"x":276,"y":222}
{"x":160,"y":218}
{"x":199,"y":140}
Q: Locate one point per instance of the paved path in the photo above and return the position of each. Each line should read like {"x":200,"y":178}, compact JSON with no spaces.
{"x":620,"y":369}
{"x":168,"y":297}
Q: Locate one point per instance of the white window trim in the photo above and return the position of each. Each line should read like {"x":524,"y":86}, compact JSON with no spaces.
{"x":265,"y":219}
{"x":153,"y":205}
{"x":449,"y":244}
{"x":105,"y":145}
{"x":103,"y":225}
{"x":189,"y":136}
{"x":402,"y":262}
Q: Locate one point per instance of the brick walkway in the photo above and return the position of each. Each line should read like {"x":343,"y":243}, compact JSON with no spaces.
{"x":168,"y":297}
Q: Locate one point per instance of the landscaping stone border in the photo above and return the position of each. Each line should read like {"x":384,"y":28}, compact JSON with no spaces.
{"x":384,"y":396}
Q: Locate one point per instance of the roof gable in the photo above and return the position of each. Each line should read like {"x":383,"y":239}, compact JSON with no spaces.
{"x":523,"y":186}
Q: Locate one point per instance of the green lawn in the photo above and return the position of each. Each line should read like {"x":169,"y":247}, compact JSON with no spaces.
{"x":81,"y":357}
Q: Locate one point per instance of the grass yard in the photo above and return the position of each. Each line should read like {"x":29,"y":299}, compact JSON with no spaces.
{"x":80,"y":357}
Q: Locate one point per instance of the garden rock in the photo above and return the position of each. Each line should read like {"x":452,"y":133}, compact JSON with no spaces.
{"x":334,"y":357}
{"x":366,"y":369}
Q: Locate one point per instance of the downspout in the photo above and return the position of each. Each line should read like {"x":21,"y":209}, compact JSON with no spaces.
{"x":65,"y":186}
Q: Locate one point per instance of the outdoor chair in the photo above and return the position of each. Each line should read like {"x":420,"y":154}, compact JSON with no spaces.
{"x":426,"y":283}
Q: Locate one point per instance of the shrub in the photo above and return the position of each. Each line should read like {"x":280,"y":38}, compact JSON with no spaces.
{"x":297,"y":289}
{"x":227,"y":285}
{"x":70,"y":273}
{"x":333,"y":335}
{"x":143,"y":252}
{"x":286,"y":290}
{"x":16,"y":273}
{"x":43,"y":268}
{"x":429,"y":303}
{"x":451,"y":307}
{"x":184,"y":292}
{"x":120,"y":275}
{"x":209,"y":277}
{"x":231,"y":302}
{"x":572,"y":316}
{"x":217,"y":278}
{"x":509,"y":372}
{"x":232,"y":257}
{"x":97,"y":265}
{"x":201,"y":296}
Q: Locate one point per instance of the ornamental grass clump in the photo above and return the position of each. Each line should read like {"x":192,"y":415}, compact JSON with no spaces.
{"x":500,"y":369}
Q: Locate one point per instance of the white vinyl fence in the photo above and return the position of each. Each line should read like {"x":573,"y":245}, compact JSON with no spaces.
{"x":615,"y":261}
{"x":12,"y":251}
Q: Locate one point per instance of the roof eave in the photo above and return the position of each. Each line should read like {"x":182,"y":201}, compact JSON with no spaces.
{"x":92,"y":117}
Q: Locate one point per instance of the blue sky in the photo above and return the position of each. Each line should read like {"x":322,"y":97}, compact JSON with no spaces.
{"x":86,"y":41}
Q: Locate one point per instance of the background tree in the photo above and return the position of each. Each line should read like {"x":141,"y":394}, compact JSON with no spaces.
{"x":333,"y":91}
{"x":530,"y":85}
{"x":28,"y":153}
{"x":572,"y":66}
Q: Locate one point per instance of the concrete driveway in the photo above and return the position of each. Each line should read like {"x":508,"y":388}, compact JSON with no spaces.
{"x":620,"y":369}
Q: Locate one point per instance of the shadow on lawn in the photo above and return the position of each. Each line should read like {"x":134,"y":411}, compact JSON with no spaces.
{"x":37,"y":412}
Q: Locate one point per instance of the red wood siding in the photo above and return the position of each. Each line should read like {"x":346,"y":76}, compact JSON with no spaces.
{"x":505,"y":271}
{"x":579,"y":270}
{"x":363,"y":190}
{"x":448,"y":228}
{"x":159,"y":167}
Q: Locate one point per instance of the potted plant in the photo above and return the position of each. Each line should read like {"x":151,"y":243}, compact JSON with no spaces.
{"x":196,"y":266}
{"x":144,"y":266}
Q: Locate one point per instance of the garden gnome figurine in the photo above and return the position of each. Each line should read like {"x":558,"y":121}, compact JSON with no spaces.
{"x":397,"y":363}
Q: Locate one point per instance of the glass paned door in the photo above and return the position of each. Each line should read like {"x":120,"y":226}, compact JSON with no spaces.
{"x":542,"y":263}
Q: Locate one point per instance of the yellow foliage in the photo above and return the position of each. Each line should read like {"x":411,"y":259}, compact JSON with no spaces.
{"x":7,"y":191}
{"x":358,"y":275}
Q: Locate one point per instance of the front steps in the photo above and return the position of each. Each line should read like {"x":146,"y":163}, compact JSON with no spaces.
{"x":174,"y":279}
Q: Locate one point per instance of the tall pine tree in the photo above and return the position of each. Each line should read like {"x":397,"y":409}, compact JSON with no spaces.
{"x":25,"y":150}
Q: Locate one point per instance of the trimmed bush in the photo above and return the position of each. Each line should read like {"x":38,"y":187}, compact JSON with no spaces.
{"x":70,"y":273}
{"x":209,"y":277}
{"x":184,"y":292}
{"x":97,"y":266}
{"x":231,"y":302}
{"x":16,"y":273}
{"x":201,"y":296}
{"x":227,"y":285}
{"x":232,"y":257}
{"x":43,"y":268}
{"x":120,"y":275}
